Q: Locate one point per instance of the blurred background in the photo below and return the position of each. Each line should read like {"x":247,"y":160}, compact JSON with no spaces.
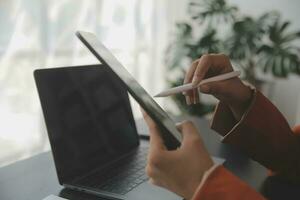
{"x":156,"y":40}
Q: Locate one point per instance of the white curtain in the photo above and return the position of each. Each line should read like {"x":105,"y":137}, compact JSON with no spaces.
{"x":40,"y":33}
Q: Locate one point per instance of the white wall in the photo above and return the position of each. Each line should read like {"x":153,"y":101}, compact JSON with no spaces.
{"x":286,"y":96}
{"x":298,"y":112}
{"x":288,"y":8}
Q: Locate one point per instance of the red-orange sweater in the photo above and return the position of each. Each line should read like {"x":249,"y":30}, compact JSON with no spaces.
{"x":263,"y":134}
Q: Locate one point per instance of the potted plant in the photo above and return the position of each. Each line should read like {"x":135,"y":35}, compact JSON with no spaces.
{"x":254,"y":44}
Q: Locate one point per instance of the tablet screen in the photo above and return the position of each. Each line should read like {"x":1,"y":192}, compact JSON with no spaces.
{"x":170,"y":134}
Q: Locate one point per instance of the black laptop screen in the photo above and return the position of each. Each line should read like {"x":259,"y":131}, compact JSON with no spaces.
{"x":88,"y":117}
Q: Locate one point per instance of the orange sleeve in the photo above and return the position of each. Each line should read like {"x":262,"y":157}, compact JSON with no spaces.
{"x":263,"y":134}
{"x":222,"y":185}
{"x":296,"y":130}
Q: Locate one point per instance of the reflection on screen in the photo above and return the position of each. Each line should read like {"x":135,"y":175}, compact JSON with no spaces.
{"x":88,"y":117}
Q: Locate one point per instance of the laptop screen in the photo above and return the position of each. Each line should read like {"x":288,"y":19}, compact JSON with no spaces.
{"x":88,"y":117}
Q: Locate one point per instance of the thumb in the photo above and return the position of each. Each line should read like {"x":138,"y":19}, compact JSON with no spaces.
{"x":188,"y":131}
{"x":156,"y":142}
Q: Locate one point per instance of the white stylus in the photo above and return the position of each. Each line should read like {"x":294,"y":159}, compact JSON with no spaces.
{"x":190,"y":86}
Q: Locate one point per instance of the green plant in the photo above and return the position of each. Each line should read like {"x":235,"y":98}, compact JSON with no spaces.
{"x":212,"y":10}
{"x":187,"y":47}
{"x":252,"y":43}
{"x":279,"y":54}
{"x":245,"y":40}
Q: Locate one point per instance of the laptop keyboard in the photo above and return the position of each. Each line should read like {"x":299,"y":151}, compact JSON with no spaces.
{"x":127,"y":176}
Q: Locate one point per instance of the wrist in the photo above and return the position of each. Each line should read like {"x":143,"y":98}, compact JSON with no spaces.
{"x":191,"y":189}
{"x":239,"y":106}
{"x":193,"y":185}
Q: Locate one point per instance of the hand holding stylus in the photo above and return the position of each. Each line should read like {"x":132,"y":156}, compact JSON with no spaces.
{"x":191,"y":86}
{"x":232,"y":91}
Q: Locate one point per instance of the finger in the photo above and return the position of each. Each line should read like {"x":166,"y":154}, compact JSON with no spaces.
{"x":218,"y":87}
{"x":197,"y":98}
{"x":221,"y":63}
{"x":191,"y":95}
{"x":150,"y":123}
{"x":155,"y":182}
{"x":216,"y":63}
{"x":188,"y":100}
{"x":156,"y":142}
{"x":188,"y":79}
{"x":179,"y":126}
{"x":152,"y":171}
{"x":201,"y":69}
{"x":189,"y":75}
{"x":189,"y":132}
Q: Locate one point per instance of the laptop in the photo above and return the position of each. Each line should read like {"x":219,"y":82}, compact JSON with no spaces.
{"x":92,"y":133}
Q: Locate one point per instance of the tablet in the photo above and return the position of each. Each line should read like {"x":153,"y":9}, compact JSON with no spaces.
{"x":171,"y":136}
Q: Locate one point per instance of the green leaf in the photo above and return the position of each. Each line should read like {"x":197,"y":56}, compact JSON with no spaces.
{"x":284,"y":26}
{"x":212,"y":11}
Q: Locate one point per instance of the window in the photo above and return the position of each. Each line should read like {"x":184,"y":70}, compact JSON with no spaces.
{"x":37,"y":34}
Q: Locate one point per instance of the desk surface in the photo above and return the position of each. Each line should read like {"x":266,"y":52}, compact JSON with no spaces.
{"x":35,"y":178}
